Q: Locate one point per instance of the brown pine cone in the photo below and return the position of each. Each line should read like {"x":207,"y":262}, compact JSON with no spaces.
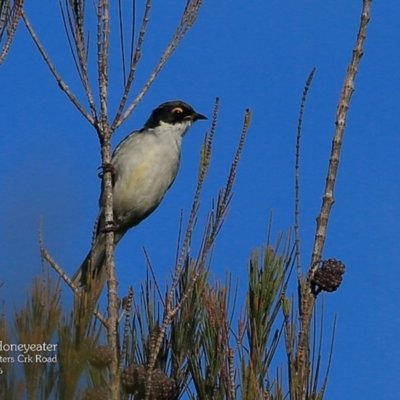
{"x":133,"y":380}
{"x":101,"y":357}
{"x":329,"y":276}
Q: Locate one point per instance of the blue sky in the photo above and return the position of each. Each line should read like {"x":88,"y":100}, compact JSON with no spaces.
{"x":254,"y":54}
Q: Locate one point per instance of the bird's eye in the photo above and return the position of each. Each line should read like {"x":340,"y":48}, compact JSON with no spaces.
{"x":177,"y":110}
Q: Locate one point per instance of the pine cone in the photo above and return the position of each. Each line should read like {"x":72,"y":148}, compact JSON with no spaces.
{"x":101,"y":357}
{"x":133,"y":380}
{"x":329,"y":276}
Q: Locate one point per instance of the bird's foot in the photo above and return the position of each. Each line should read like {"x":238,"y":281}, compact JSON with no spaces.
{"x":111,"y":226}
{"x":106,"y":167}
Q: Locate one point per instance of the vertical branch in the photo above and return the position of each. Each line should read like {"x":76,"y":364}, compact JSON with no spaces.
{"x":306,"y":287}
{"x":103,"y":35}
{"x":103,"y":129}
{"x":341,"y":115}
{"x":104,"y":133}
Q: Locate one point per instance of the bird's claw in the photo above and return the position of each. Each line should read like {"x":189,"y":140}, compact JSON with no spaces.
{"x":111,"y":226}
{"x":106,"y":167}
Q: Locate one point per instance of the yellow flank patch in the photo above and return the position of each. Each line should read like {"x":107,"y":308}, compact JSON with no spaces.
{"x":137,"y":178}
{"x":132,"y":188}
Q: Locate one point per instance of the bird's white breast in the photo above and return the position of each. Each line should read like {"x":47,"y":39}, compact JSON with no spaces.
{"x":146,"y":165}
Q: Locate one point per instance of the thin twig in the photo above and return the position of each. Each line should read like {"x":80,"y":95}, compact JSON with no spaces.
{"x":170,"y":311}
{"x":45,"y":254}
{"x":151,"y":269}
{"x":121,"y":40}
{"x":323,"y":387}
{"x":188,"y":19}
{"x":133,"y":66}
{"x":297,"y":171}
{"x":53,"y":70}
{"x":78,"y":12}
{"x":178,"y":241}
{"x":289,"y":340}
{"x":17,"y":12}
{"x":133,"y":32}
{"x":70,"y":32}
{"x":226,"y":194}
{"x":204,"y":165}
{"x":213,"y":226}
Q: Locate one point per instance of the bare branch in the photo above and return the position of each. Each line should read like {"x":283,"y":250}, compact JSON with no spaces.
{"x":75,"y":12}
{"x":53,"y":70}
{"x":341,"y":116}
{"x":103,"y":34}
{"x":306,"y":287}
{"x":45,"y":254}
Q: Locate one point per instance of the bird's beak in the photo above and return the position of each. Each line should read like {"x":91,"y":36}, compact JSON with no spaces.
{"x":195,"y":116}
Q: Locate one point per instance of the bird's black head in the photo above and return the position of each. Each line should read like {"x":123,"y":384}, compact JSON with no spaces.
{"x":172,"y":112}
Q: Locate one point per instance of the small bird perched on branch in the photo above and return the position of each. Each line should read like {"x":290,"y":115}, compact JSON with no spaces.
{"x":144,"y":166}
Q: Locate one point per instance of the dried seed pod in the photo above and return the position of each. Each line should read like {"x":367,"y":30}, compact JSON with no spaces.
{"x":101,"y":357}
{"x":163,"y":387}
{"x":329,"y":276}
{"x":133,"y":380}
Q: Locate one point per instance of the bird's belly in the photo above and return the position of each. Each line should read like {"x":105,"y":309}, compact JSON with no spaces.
{"x":140,"y":190}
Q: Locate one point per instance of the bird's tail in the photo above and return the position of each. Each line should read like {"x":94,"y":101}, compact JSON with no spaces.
{"x":92,"y":271}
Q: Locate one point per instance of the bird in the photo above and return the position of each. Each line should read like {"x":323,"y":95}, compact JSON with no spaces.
{"x":144,"y":166}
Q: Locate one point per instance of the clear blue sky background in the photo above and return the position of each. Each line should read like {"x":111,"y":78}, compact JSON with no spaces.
{"x":254,"y":54}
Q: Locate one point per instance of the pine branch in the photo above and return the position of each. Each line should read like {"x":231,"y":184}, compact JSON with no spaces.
{"x":306,"y":286}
